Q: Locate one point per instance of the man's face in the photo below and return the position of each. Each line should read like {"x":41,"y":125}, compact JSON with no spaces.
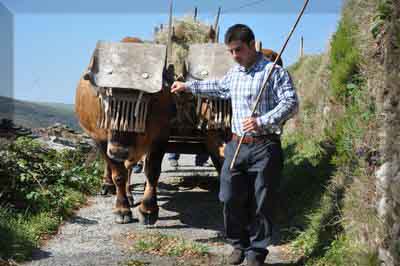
{"x":242,"y":53}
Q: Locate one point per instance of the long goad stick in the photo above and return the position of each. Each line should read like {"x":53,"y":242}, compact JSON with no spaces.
{"x":169,"y":43}
{"x":267,"y":79}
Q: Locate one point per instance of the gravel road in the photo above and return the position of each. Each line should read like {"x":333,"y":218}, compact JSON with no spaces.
{"x":189,"y":209}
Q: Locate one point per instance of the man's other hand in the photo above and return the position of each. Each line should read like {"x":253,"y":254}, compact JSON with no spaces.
{"x":249,"y":124}
{"x":178,"y":86}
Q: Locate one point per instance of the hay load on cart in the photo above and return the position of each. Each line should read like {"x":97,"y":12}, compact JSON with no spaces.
{"x":195,"y":54}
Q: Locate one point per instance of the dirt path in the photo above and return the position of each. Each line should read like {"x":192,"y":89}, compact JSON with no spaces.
{"x":189,"y":209}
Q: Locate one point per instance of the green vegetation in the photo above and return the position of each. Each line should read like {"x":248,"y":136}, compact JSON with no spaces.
{"x":38,"y":188}
{"x":383,"y":14}
{"x":344,"y":60}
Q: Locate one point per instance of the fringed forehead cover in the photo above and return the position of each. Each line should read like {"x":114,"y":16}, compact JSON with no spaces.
{"x":123,"y":111}
{"x":125,"y":75}
{"x":210,"y":61}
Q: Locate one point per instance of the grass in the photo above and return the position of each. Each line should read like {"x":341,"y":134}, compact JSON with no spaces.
{"x":133,"y":263}
{"x":20,"y":234}
{"x":345,"y":59}
{"x":165,"y":245}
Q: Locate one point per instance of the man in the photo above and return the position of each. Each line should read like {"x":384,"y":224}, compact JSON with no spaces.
{"x":246,"y":189}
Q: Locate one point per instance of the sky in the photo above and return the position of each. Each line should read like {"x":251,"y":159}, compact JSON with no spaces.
{"x":52,"y":42}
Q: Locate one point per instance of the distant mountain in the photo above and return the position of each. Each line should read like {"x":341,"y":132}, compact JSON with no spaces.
{"x":36,"y":115}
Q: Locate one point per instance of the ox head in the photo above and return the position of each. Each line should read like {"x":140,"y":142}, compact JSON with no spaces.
{"x":128,"y":73}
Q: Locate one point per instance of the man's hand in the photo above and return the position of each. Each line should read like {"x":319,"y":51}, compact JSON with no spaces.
{"x":178,"y":86}
{"x":250,"y":124}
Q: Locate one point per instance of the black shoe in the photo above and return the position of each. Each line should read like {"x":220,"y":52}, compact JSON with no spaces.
{"x":199,"y":163}
{"x":254,"y":262}
{"x":137,"y":168}
{"x":236,"y":257}
{"x":256,"y":259}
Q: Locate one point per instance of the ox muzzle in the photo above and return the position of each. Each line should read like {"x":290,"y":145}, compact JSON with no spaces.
{"x":118,"y":145}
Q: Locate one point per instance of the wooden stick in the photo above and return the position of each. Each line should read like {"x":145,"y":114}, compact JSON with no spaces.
{"x":169,"y":44}
{"x":267,"y":79}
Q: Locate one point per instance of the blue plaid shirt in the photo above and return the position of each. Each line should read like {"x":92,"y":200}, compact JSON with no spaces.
{"x":278,"y":103}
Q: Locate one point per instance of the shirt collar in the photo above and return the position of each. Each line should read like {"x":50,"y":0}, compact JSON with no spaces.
{"x":258,"y":65}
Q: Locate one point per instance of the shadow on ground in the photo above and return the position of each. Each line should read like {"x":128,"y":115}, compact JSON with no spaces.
{"x":194,"y":199}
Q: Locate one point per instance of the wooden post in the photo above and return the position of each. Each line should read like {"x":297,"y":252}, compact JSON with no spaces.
{"x":216,"y":26}
{"x":301,"y":47}
{"x":216,"y":22}
{"x":195,"y":14}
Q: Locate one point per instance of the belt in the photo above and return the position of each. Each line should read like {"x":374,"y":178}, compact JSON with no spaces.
{"x":256,"y":139}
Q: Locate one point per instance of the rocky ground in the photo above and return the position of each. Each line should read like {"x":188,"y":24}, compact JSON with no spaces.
{"x":189,"y":210}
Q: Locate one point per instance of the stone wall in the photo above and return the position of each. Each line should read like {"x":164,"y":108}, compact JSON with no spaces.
{"x":388,"y":175}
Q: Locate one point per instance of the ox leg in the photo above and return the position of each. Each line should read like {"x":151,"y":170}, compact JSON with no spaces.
{"x":129,"y":194}
{"x":108,"y":186}
{"x":148,"y":209}
{"x":217,"y":161}
{"x":215,"y":146}
{"x":120,"y":177}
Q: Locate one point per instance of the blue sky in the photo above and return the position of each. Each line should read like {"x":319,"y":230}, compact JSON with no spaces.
{"x":52,"y":43}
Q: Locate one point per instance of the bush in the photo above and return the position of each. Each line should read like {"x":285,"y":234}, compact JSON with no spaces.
{"x":37,"y":179}
{"x":38,"y":188}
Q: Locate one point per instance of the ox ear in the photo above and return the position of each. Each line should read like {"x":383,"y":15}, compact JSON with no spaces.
{"x":212,"y":35}
{"x":184,"y":69}
{"x":168,"y":76}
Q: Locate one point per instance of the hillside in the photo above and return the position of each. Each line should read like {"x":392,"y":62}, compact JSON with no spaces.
{"x":342,"y":149}
{"x":39,"y":115}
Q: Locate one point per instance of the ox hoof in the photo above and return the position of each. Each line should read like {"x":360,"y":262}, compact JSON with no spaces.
{"x":107,"y":189}
{"x":125,"y":218}
{"x":147,"y":218}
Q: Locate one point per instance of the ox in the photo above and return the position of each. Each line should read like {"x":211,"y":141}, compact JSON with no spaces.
{"x":121,"y":150}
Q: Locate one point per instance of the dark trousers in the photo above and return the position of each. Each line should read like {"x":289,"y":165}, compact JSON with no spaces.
{"x":174,"y":156}
{"x":200,"y":158}
{"x":248,"y":193}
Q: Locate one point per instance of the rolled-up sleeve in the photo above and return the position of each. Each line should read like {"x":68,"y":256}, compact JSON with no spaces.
{"x":287,"y":106}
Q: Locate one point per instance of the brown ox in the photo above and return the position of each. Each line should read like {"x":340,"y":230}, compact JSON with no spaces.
{"x":122,"y":149}
{"x":272,"y":55}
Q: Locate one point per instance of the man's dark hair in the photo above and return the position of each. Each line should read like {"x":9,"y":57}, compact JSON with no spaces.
{"x":239,"y":32}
